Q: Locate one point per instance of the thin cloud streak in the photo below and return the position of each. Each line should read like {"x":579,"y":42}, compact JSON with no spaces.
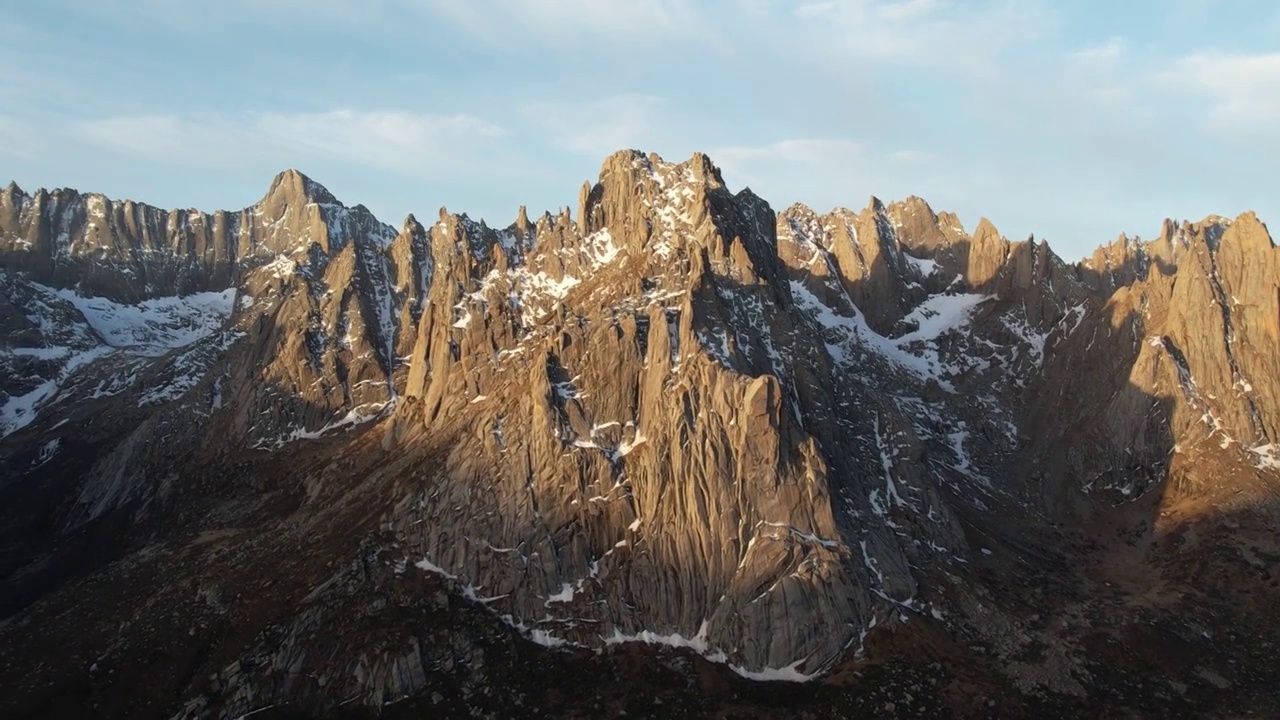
{"x":412,"y":144}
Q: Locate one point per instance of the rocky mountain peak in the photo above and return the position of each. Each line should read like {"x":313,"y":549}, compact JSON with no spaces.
{"x":411,"y":225}
{"x":12,"y":190}
{"x":292,"y":186}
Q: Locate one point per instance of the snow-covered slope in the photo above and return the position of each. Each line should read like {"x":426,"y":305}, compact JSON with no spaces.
{"x":68,"y":334}
{"x":154,"y":326}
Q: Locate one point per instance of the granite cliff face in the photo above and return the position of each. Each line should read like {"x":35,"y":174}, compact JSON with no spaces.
{"x":790,"y":443}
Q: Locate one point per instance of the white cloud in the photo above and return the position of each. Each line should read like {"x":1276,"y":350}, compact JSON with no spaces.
{"x":910,"y":9}
{"x":830,"y":170}
{"x":965,"y":38}
{"x":412,"y":144}
{"x":1099,"y":85}
{"x":599,"y":127}
{"x":1106,"y":54}
{"x":912,"y":157}
{"x":1244,"y":90}
{"x":203,"y":17}
{"x":167,"y":139}
{"x":20,"y":139}
{"x":815,"y":170}
{"x":794,"y":152}
{"x":500,"y":22}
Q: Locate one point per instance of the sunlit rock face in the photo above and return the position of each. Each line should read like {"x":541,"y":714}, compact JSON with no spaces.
{"x":676,"y":417}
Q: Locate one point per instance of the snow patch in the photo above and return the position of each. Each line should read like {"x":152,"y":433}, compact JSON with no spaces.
{"x":1268,"y":456}
{"x":358,"y":415}
{"x":923,"y":266}
{"x":156,"y":326}
{"x":937,"y":316}
{"x":940,"y":314}
{"x":281,"y":267}
{"x":20,"y":411}
{"x":1032,"y":337}
{"x":627,"y":446}
{"x":427,"y":565}
{"x":47,"y":451}
{"x":789,"y":673}
{"x":564,"y":596}
{"x":698,"y":643}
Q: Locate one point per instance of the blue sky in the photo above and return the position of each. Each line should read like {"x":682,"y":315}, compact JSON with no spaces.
{"x":1074,"y":121}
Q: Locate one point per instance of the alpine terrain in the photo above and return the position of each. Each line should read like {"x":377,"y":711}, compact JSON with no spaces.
{"x":672,"y":453}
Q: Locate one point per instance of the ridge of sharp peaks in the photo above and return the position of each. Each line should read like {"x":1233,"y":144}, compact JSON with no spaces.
{"x":985,"y":228}
{"x":291,"y":186}
{"x":288,"y":187}
{"x":1185,"y":233}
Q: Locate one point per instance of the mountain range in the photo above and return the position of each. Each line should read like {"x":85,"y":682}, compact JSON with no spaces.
{"x":677,"y":454}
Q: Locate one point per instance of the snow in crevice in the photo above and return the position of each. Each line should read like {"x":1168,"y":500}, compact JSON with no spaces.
{"x":674,"y":184}
{"x":428,"y":566}
{"x":535,"y":635}
{"x":800,"y":534}
{"x":882,"y":503}
{"x":184,"y":371}
{"x":697,"y":643}
{"x":279,"y":268}
{"x":1266,"y":457}
{"x":1033,"y":338}
{"x":345,"y":224}
{"x":355,"y":417}
{"x":374,"y":264}
{"x":964,"y":464}
{"x":47,"y":452}
{"x":533,"y":292}
{"x":915,"y":352}
{"x":565,"y":595}
{"x":871,"y":564}
{"x":700,"y":645}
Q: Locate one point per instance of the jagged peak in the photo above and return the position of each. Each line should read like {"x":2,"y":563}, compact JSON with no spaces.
{"x":914,"y":203}
{"x":700,"y":166}
{"x":291,"y":186}
{"x":1250,"y":219}
{"x":986,"y":229}
{"x":748,"y":194}
{"x":798,"y":209}
{"x":1246,"y":230}
{"x":411,"y":226}
{"x":705,"y":170}
{"x":951,"y":220}
{"x":627,"y":161}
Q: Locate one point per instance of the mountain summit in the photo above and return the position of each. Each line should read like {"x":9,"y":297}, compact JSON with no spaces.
{"x":292,"y":457}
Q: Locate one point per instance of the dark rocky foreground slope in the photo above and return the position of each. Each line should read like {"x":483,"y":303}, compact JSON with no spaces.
{"x":675,"y":454}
